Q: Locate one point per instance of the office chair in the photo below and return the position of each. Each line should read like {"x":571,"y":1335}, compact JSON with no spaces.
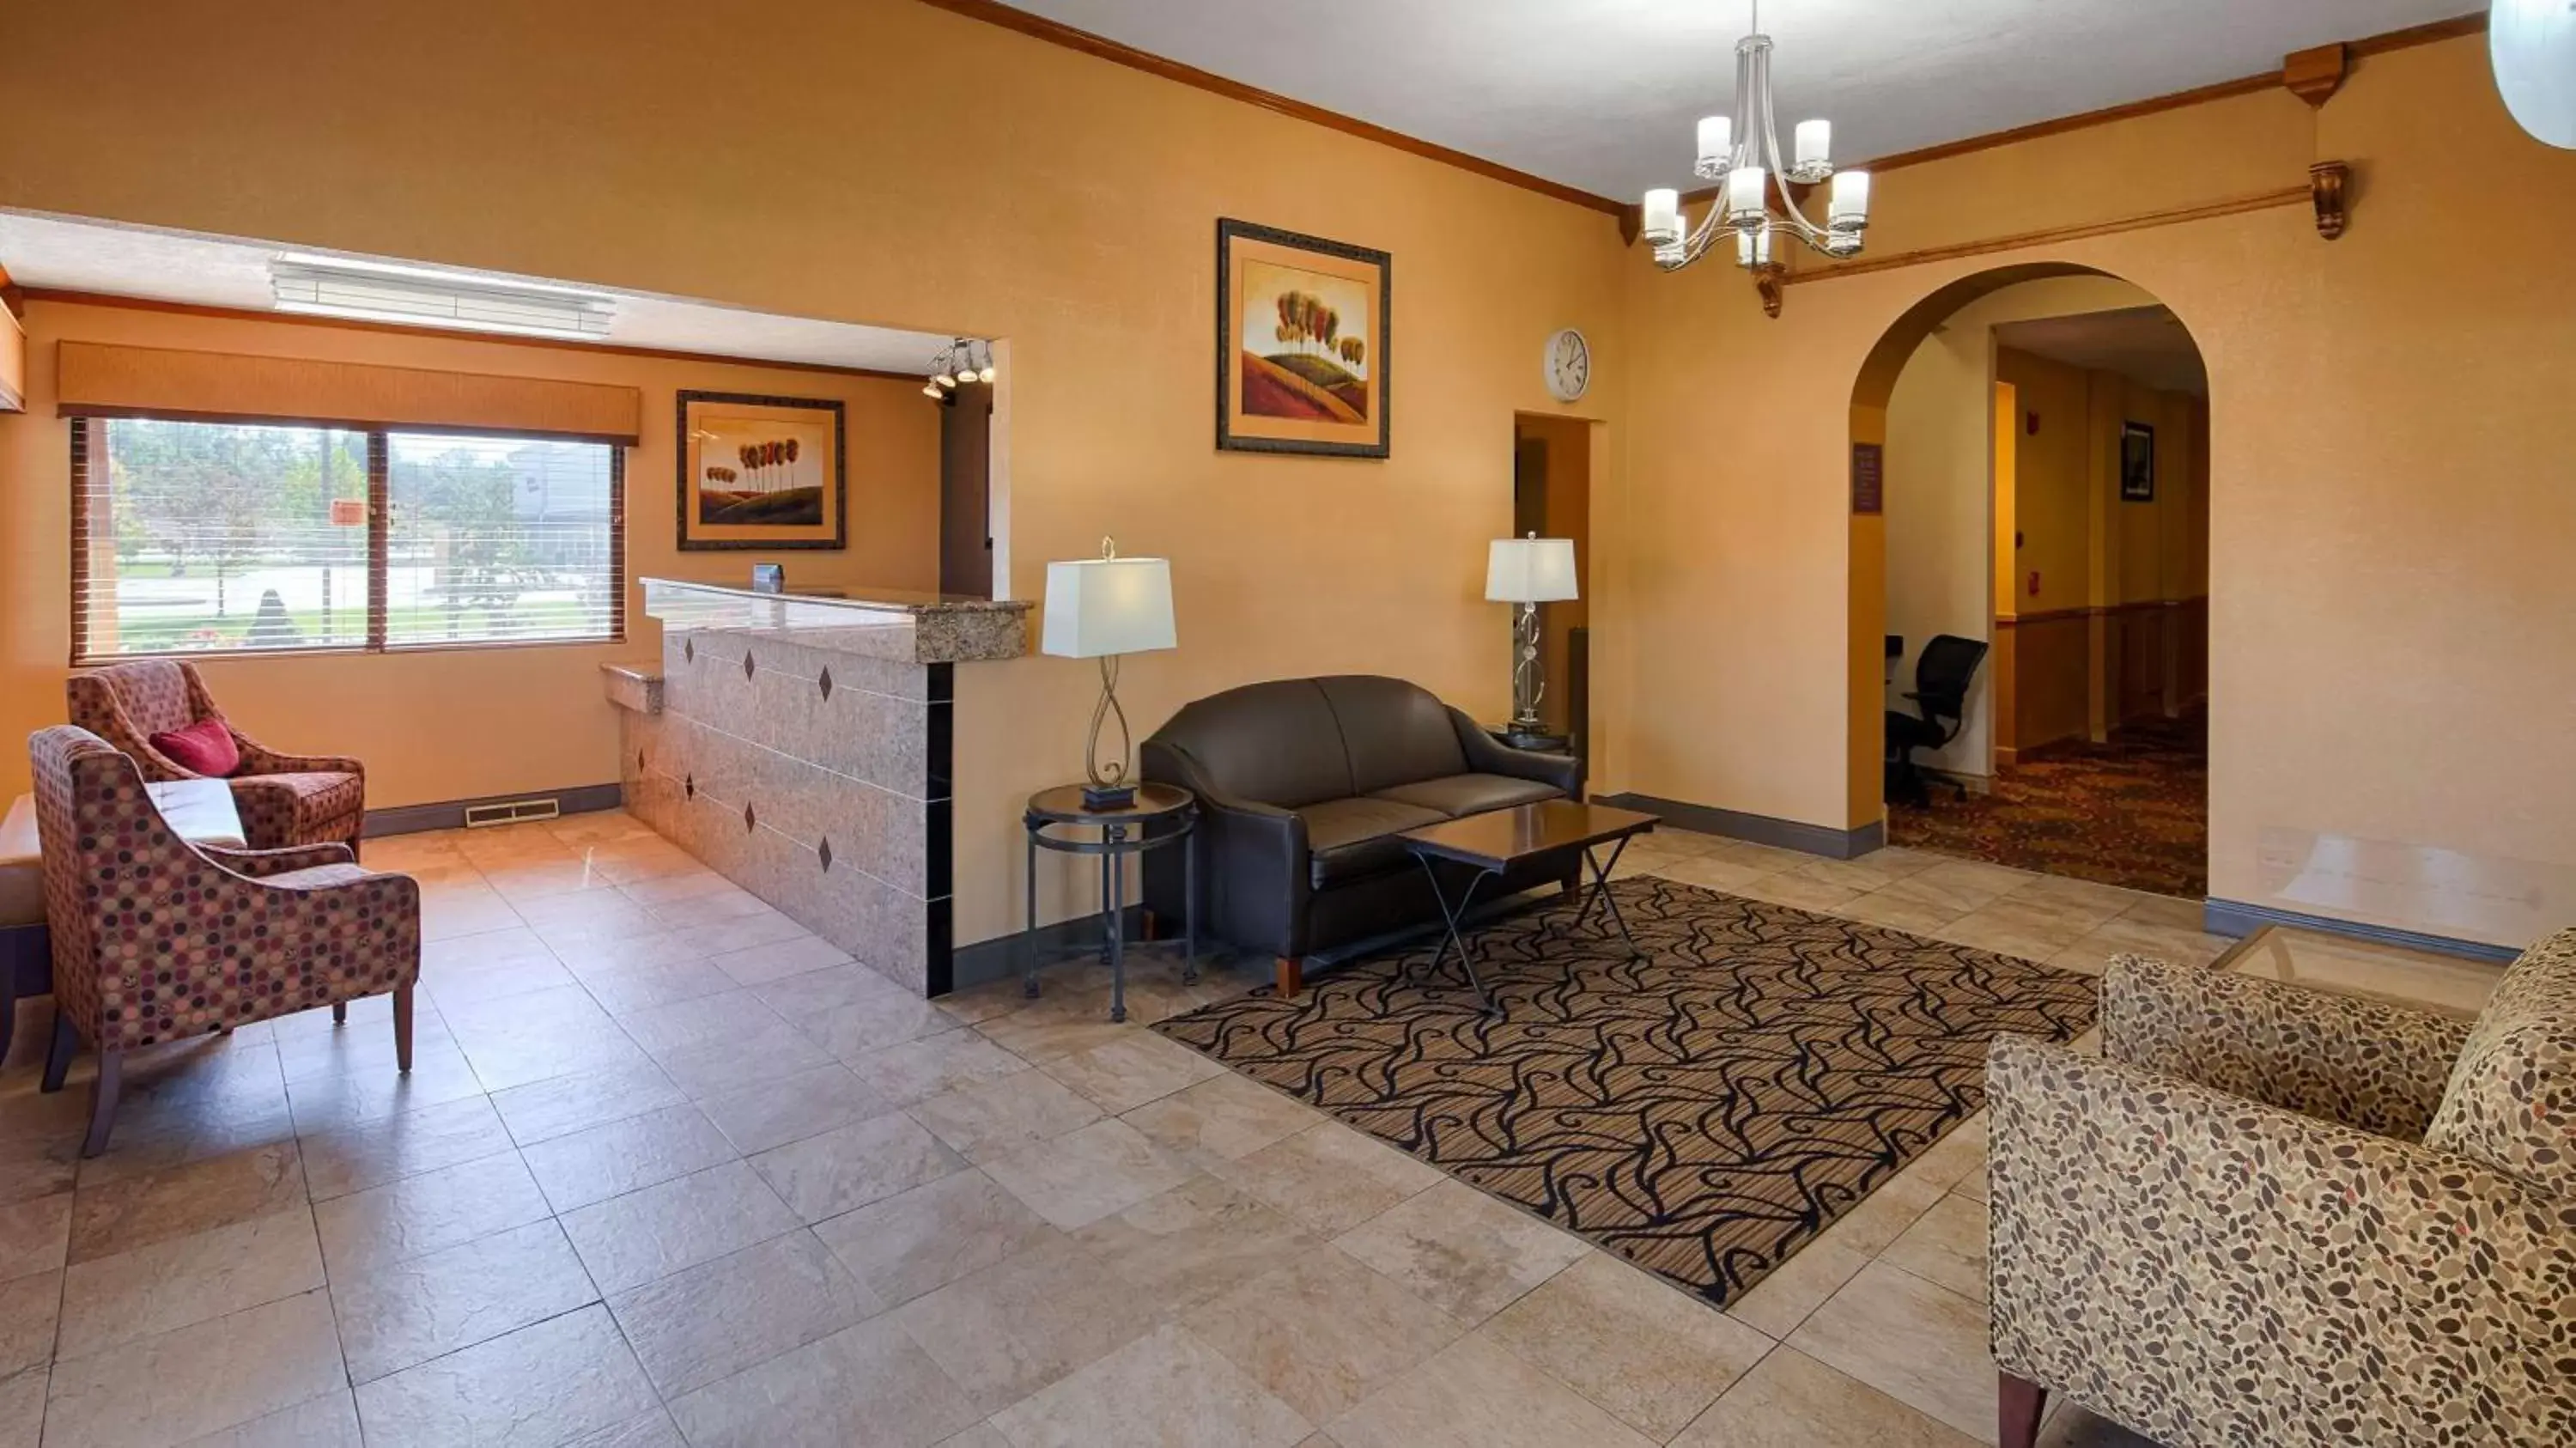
{"x":1941,"y":679}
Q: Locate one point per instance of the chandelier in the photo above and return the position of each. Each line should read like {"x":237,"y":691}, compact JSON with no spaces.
{"x":955,"y":365}
{"x":1742,"y":154}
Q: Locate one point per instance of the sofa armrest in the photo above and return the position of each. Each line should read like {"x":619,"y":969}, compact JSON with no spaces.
{"x":258,"y":758}
{"x":2371,"y":1065}
{"x":1253,"y":861}
{"x":260,"y":864}
{"x":2210,"y":1270}
{"x":1488,"y":755}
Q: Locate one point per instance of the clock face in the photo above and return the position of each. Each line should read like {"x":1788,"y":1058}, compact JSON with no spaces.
{"x":1569,"y":365}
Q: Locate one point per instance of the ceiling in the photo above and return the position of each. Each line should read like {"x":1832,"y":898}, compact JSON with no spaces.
{"x":1603,"y":95}
{"x":64,"y":254}
{"x":2143,"y":344}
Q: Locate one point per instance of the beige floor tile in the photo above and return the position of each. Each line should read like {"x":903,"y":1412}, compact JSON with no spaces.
{"x":329,"y":1421}
{"x":1166,"y":1387}
{"x":1013,"y":1328}
{"x":1223,"y":1118}
{"x":543,"y":1385}
{"x":930,"y":1236}
{"x":29,"y":1311}
{"x":1473,"y":1394}
{"x":537,"y":879}
{"x":587,"y":957}
{"x":648,"y":1430}
{"x":985,"y":1435}
{"x":182,"y":1201}
{"x":1079,"y":1178}
{"x":592,"y":913}
{"x":1946,"y":1246}
{"x":604,"y":1161}
{"x":762,"y":964}
{"x":1198,"y":1241}
{"x":718,"y":1068}
{"x":922,"y":1068}
{"x":353,"y":1159}
{"x":1056,"y":1026}
{"x":1710,"y":872}
{"x":439,"y":1074}
{"x":1462,"y":1251}
{"x":1919,"y":1343}
{"x":649,"y":1234}
{"x":723,"y":937}
{"x":447,"y":913}
{"x":481,"y":978}
{"x":1329,"y":1177}
{"x":624,"y":992}
{"x":22,"y":1408}
{"x":427,"y":1213}
{"x":1815,"y":1272}
{"x":1791,"y":1400}
{"x":1899,"y":912}
{"x":2127,"y":936}
{"x":1797,"y":891}
{"x":1126,"y":1073}
{"x":664,"y":889}
{"x":397,"y":1314}
{"x":848,"y":1167}
{"x":706,"y":1323}
{"x":1873,"y":871}
{"x":867,"y":1386}
{"x":35,"y":1235}
{"x":1964,"y":884}
{"x":2019,"y":926}
{"x":562,"y":1105}
{"x":520,"y":1053}
{"x":793,"y":1108}
{"x":1632,"y":1344}
{"x":197,"y":1380}
{"x":2071,"y":1426}
{"x":175,"y":1281}
{"x":1323,"y":1332}
{"x":997,"y":1117}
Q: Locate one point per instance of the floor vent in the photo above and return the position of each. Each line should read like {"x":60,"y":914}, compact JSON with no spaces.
{"x":510,"y":812}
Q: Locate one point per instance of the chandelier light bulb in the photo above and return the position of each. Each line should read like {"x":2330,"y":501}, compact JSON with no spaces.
{"x":1849,"y":208}
{"x":1815,"y":143}
{"x":1716,"y":147}
{"x":1762,"y":183}
{"x":1663,"y":218}
{"x":1746,"y":195}
{"x":942,"y":379}
{"x":931,"y":390}
{"x":987,"y":374}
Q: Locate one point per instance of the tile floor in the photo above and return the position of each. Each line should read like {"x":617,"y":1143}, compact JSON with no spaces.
{"x":669,"y":1170}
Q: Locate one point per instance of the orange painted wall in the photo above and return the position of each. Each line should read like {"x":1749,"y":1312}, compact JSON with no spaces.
{"x":2389,"y":600}
{"x":904,"y":166}
{"x":449,"y":724}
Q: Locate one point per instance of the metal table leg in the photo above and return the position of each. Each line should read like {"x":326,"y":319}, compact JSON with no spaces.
{"x":1189,"y":906}
{"x":1029,"y":937}
{"x":1450,"y":918}
{"x":1113,"y":873}
{"x":1601,"y":893}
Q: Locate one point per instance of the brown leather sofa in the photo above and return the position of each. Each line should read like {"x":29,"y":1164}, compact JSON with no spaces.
{"x":1303,"y":786}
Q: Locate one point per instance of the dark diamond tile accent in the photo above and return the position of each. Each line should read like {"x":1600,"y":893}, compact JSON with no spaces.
{"x":689,"y":650}
{"x":746,"y":665}
{"x":689,"y":785}
{"x":639,"y":761}
{"x":823,"y":852}
{"x":750,"y":821}
{"x":826,"y":683}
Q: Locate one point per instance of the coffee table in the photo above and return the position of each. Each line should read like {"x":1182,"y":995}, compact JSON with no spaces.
{"x":1526,"y":842}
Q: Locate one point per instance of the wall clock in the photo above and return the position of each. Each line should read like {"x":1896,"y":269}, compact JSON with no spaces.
{"x":1569,"y":365}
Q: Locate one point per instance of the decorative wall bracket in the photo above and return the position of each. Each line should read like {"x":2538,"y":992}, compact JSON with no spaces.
{"x":1768,"y":280}
{"x":2329,"y":185}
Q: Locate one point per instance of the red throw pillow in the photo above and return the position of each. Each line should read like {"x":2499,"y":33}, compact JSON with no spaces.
{"x":206,"y":747}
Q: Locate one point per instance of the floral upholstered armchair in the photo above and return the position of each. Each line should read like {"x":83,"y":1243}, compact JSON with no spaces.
{"x":284,"y":799}
{"x":156,"y":939}
{"x":2281,"y":1217}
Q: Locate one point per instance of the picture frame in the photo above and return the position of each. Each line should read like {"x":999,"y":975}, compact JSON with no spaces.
{"x":1302,"y":344}
{"x":762,"y":473}
{"x":2137,"y":463}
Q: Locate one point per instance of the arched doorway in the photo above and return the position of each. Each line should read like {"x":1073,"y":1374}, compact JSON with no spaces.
{"x":2029,"y":579}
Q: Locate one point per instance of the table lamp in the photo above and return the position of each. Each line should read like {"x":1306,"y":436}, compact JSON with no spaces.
{"x":1528,"y":571}
{"x":1102,"y":608}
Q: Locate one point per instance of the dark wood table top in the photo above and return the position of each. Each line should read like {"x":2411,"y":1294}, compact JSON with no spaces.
{"x":1063,"y":805}
{"x":1499,"y":839}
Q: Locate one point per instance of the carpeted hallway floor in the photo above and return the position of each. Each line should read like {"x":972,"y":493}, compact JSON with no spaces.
{"x":2132,"y":812}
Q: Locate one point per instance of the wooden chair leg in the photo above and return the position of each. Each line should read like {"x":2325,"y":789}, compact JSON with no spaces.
{"x":58,"y":1052}
{"x":402,"y":1029}
{"x":1148,"y":926}
{"x":2019,"y":1405}
{"x":8,"y":1014}
{"x":102,"y":1101}
{"x":1292,"y":976}
{"x":339,"y":1013}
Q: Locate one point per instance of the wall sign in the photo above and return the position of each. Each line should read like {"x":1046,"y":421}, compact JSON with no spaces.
{"x":1868,"y":481}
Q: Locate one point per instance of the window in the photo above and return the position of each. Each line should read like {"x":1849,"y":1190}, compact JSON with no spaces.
{"x":208,"y":537}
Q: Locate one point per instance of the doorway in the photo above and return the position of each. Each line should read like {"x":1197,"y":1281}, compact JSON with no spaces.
{"x":966,"y":490}
{"x":1552,"y":497}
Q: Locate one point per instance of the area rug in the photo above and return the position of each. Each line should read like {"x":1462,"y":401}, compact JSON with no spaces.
{"x":2132,"y":812}
{"x":1704,"y":1111}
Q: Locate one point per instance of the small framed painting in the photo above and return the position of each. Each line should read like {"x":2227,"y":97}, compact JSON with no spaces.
{"x":2137,"y":463}
{"x":1301,"y":343}
{"x":761,"y":472}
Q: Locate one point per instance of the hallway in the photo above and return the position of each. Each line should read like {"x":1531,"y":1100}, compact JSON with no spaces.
{"x":2132,"y":812}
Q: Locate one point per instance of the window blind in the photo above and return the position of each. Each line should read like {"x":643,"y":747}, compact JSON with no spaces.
{"x":100,"y":379}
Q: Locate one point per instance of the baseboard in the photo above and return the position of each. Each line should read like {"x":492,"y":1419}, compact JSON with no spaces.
{"x":2236,"y":918}
{"x":1823,"y":840}
{"x":1003,"y":957}
{"x":409,"y":819}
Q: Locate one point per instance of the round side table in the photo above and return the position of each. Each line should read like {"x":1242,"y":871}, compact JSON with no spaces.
{"x":1161,"y":814}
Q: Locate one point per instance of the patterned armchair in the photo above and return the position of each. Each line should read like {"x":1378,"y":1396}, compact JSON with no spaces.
{"x":155,"y":939}
{"x":2281,"y":1217}
{"x":284,"y":799}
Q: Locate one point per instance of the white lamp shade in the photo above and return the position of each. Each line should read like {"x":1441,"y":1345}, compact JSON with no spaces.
{"x":1530,"y":570}
{"x":2532,"y":45}
{"x":1108,"y":606}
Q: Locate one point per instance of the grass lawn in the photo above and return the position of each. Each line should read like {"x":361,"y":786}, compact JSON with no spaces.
{"x":348,"y":627}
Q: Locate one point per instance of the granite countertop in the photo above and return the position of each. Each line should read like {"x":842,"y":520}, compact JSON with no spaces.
{"x":894,"y":624}
{"x":903,"y":600}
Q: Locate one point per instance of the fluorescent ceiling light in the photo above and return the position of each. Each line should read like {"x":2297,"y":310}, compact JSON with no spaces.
{"x":421,"y":296}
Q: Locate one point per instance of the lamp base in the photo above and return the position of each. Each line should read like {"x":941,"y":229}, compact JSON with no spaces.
{"x":1108,"y":796}
{"x":1540,"y":740}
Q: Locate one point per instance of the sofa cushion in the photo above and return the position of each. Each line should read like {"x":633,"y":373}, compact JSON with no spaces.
{"x":1466,"y":794}
{"x":1275,"y":743}
{"x":1397,"y":733}
{"x":1351,"y":838}
{"x":2511,"y":1103}
{"x":205,"y":747}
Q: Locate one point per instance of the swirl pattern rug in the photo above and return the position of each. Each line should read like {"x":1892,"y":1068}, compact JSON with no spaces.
{"x":1704,"y":1111}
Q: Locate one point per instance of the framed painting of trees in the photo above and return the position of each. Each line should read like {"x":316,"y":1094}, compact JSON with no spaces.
{"x":761,"y":472}
{"x":1301,"y":343}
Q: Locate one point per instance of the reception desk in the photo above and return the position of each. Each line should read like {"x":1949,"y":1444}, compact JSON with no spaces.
{"x":801,"y":745}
